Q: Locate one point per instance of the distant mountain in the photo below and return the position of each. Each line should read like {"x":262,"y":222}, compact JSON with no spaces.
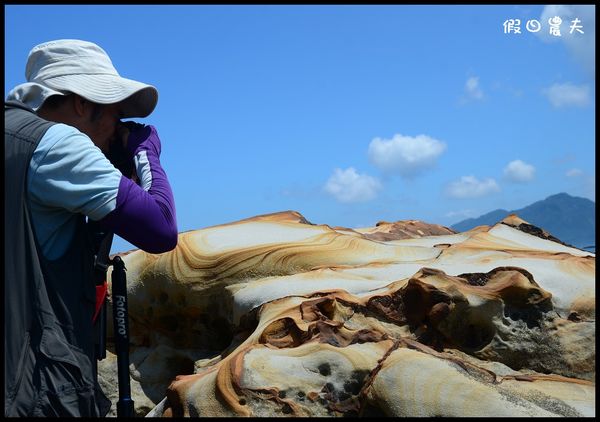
{"x":571,"y":219}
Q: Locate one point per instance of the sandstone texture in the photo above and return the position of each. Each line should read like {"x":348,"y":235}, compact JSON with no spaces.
{"x":276,"y":316}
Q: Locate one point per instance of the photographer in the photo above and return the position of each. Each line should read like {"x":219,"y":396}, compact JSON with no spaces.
{"x":67,"y":157}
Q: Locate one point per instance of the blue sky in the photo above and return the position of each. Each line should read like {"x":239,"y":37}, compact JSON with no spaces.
{"x":348,"y":114}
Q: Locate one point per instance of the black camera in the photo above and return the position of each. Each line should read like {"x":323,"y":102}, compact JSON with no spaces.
{"x":118,"y":154}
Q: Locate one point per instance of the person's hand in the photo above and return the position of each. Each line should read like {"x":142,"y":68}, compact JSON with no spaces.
{"x":129,"y":137}
{"x":134,"y":134}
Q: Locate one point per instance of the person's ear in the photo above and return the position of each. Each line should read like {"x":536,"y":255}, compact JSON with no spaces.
{"x":79,"y":104}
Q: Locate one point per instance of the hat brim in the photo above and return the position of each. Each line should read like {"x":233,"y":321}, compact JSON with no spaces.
{"x":137,"y":99}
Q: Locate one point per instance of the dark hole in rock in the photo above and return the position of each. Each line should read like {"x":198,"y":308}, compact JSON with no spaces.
{"x":476,"y":279}
{"x":414,"y":300}
{"x":392,"y":308}
{"x":163,"y":297}
{"x":222,"y":333}
{"x":169,"y":322}
{"x":352,"y":386}
{"x":438,"y":296}
{"x":342,"y":395}
{"x":180,"y":365}
{"x":356,"y":381}
{"x":325,"y":369}
{"x":473,"y":337}
{"x":477,"y":336}
{"x":532,"y":315}
{"x":574,"y":316}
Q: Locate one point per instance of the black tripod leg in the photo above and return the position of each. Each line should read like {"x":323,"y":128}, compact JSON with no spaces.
{"x":121,"y":333}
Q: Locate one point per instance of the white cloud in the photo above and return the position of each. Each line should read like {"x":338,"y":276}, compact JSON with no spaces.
{"x":519,"y":171}
{"x":405,"y":155}
{"x":462,"y":214}
{"x":471,"y":187}
{"x":568,"y":94}
{"x":582,"y":47}
{"x":473,"y":89}
{"x":349,"y":186}
{"x":574,"y":173}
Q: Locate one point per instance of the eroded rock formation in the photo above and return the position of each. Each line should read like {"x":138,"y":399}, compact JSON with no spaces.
{"x":275,"y":316}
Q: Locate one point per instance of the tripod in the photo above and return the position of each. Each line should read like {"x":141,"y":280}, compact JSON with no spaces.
{"x":125,"y":405}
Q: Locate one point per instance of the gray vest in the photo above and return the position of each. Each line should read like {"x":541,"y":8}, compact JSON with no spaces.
{"x":49,"y":361}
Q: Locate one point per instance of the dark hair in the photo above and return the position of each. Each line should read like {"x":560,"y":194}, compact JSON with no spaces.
{"x":55,"y":101}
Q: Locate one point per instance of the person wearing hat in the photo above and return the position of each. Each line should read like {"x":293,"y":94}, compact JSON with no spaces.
{"x":70,"y":163}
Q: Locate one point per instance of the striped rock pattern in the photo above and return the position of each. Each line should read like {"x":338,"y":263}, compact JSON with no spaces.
{"x":275,"y":316}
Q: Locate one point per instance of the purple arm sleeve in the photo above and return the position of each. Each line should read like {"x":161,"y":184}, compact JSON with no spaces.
{"x":145,"y":218}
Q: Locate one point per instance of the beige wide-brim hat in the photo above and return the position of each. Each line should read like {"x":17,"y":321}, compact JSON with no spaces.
{"x":73,"y":66}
